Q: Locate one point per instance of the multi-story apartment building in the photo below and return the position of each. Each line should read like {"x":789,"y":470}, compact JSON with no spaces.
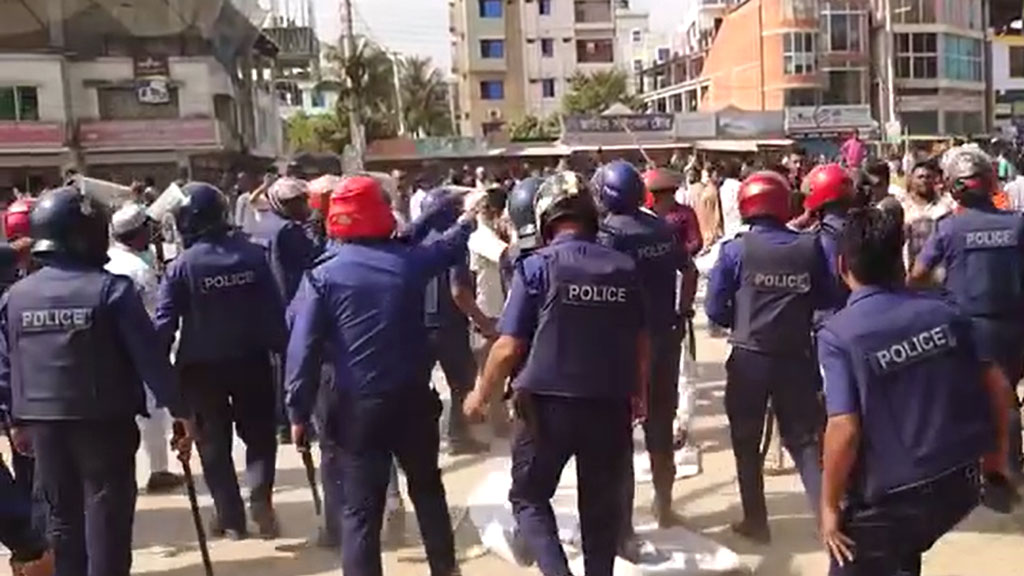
{"x":1008,"y":80}
{"x":940,"y":57}
{"x":125,"y":98}
{"x":514,"y":58}
{"x":297,"y":78}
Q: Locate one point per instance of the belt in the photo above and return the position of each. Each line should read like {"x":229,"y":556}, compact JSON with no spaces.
{"x":971,"y":472}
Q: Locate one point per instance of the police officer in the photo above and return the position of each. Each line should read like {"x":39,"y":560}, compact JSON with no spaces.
{"x":76,"y":346}
{"x":766,"y":285}
{"x":363,"y":308}
{"x":30,"y":555}
{"x":575,"y":315}
{"x":519,"y":206}
{"x":450,"y":302}
{"x":221,"y":292}
{"x":910,"y":398}
{"x":653,"y":246}
{"x":830,"y":195}
{"x":982,"y":250}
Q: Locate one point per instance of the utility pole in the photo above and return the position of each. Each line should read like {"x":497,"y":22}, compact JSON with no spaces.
{"x":398,"y":93}
{"x":890,"y":66}
{"x":355,"y":121}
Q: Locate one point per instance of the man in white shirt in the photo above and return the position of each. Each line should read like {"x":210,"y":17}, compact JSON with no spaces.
{"x":130,"y":256}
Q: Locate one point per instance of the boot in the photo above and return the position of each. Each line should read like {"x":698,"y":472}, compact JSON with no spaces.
{"x":663,"y":470}
{"x":265,"y":518}
{"x":43,"y":566}
{"x":754,"y":531}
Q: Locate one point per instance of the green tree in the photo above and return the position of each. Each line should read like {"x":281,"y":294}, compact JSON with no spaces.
{"x":424,"y":98}
{"x":595,"y":93}
{"x":531,"y":128}
{"x":366,"y":81}
{"x":317,"y":133}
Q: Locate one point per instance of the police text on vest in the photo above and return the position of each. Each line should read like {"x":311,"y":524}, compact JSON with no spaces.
{"x":918,"y":347}
{"x":653,"y":251}
{"x":222,"y":281}
{"x":990,"y":239}
{"x":595,"y":294}
{"x":56,"y":320}
{"x":783,"y":282}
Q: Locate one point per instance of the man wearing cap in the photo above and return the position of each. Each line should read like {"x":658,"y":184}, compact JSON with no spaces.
{"x":131,"y":256}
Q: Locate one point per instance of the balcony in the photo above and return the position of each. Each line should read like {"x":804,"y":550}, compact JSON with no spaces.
{"x":595,"y":51}
{"x":593,"y":14}
{"x":31,"y":136}
{"x":149,"y":134}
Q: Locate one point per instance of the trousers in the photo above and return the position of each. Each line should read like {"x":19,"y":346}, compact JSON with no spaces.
{"x":792,"y":385}
{"x":236,"y":394}
{"x":87,"y":474}
{"x":154,"y":434}
{"x":598,"y":434}
{"x":17,"y":532}
{"x":449,"y":347}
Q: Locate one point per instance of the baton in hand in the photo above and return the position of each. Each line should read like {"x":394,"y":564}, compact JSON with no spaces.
{"x":190,"y":486}
{"x":307,"y":463}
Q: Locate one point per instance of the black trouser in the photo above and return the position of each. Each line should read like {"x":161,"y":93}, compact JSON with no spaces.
{"x":87,"y":474}
{"x":24,"y":481}
{"x":237,"y":393}
{"x":449,"y":346}
{"x":792,"y":383}
{"x":891,"y":534}
{"x":17,"y":532}
{"x":553,"y":429}
{"x":373,"y":430}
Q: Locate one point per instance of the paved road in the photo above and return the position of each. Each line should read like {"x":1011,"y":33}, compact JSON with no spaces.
{"x":986,"y":545}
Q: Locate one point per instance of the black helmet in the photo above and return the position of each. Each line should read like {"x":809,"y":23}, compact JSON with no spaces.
{"x":520,"y":210}
{"x":564,"y":195}
{"x":204,"y":211}
{"x":67,"y":221}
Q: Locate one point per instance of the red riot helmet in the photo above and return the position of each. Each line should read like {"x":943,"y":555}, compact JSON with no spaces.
{"x":765,"y":194}
{"x":16,"y":219}
{"x":827,"y":184}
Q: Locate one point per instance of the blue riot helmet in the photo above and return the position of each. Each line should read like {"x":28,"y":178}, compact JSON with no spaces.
{"x":520,"y":211}
{"x":564,"y":195}
{"x":203,"y":211}
{"x":441,"y":200}
{"x":619,"y":186}
{"x":68,"y":222}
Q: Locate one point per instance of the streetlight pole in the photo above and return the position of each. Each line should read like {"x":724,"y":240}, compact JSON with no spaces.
{"x":890,"y":66}
{"x":354,"y":111}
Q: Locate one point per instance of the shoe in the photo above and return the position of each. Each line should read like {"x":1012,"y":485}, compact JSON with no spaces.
{"x":630,"y":549}
{"x":662,"y":510}
{"x":163,"y":482}
{"x":265,"y":518}
{"x":43,"y":566}
{"x":520,"y":551}
{"x":467,"y":446}
{"x":753,"y":531}
{"x":234,"y":534}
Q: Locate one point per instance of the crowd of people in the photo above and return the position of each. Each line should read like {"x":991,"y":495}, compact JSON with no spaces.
{"x":556,"y":304}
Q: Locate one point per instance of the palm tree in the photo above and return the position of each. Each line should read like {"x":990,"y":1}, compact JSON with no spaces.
{"x":366,"y":81}
{"x":424,"y":98}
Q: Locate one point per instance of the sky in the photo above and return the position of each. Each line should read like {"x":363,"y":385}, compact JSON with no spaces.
{"x":420,"y":27}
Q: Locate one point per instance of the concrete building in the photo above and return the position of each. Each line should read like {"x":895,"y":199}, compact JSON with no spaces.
{"x":1008,"y":81}
{"x":634,"y":42}
{"x":514,"y":58}
{"x":79,"y":90}
{"x":297,"y":78}
{"x":941,"y":60}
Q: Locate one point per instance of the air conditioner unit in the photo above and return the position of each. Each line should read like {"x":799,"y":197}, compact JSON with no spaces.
{"x":494,"y":114}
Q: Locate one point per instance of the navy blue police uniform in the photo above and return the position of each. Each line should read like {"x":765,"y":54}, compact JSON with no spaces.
{"x":580,"y":307}
{"x":363,"y":310}
{"x":982,"y":250}
{"x":765,"y":286}
{"x":828,"y":230}
{"x":906,"y":365}
{"x":221,"y":292}
{"x":17,"y":533}
{"x":76,"y":345}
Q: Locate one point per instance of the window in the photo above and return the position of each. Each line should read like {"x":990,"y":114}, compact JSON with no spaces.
{"x":492,"y":49}
{"x":492,"y":90}
{"x":595,"y":51}
{"x":544,"y":6}
{"x":636,"y":35}
{"x":638,"y":66}
{"x":920,"y":123}
{"x":962,"y":13}
{"x":842,"y":26}
{"x":490,"y":8}
{"x":916,"y":56}
{"x":547,"y":47}
{"x":19,"y":103}
{"x":799,"y":10}
{"x":801,"y":97}
{"x":962,"y":58}
{"x":798,"y":53}
{"x":963,"y":123}
{"x":317,"y":99}
{"x":914,"y":11}
{"x":844,"y":87}
{"x":548,"y":87}
{"x":663,"y":54}
{"x":1016,"y":61}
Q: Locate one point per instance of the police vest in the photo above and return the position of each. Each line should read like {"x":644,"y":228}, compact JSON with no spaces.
{"x":923,"y":409}
{"x":268,"y":233}
{"x":232,"y":311}
{"x":654,"y":249}
{"x":585,"y":344}
{"x":985,"y":270}
{"x":773,"y":306}
{"x":67,"y":357}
